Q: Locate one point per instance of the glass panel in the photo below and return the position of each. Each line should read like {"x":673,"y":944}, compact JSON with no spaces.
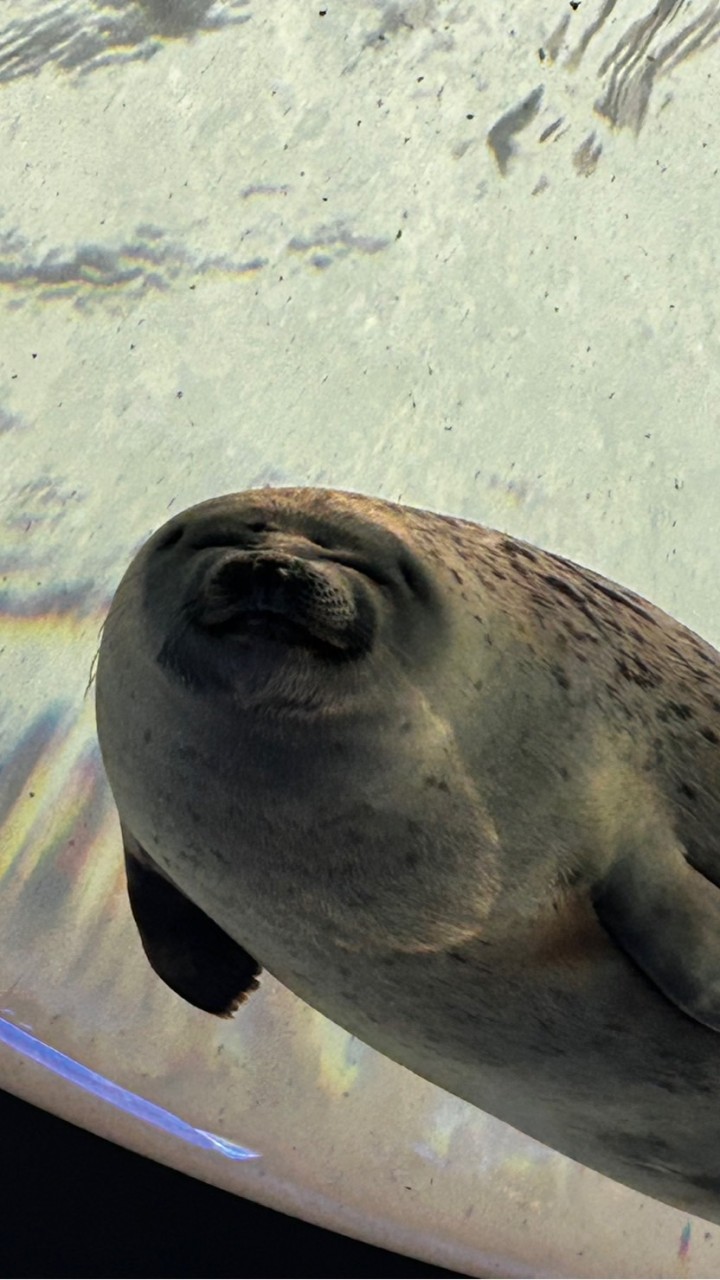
{"x":458,"y":256}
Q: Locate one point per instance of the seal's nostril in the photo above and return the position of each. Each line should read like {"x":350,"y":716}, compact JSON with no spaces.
{"x":258,"y":526}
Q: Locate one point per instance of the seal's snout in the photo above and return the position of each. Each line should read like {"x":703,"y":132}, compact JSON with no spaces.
{"x":238,"y":584}
{"x":280,"y":596}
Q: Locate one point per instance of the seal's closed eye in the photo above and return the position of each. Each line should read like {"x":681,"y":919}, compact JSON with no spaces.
{"x":184,"y":946}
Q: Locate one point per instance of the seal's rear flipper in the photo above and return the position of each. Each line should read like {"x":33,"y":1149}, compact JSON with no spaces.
{"x":184,"y":946}
{"x":667,"y":919}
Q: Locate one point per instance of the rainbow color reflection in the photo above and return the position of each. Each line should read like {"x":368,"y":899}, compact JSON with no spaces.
{"x":123,"y":1099}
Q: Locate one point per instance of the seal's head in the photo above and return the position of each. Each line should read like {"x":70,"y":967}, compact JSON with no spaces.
{"x":272,"y":709}
{"x":275,"y":596}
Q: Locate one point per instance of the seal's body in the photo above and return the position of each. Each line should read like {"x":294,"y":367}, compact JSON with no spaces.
{"x":459,"y":794}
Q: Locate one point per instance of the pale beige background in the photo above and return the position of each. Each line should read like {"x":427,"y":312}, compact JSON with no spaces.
{"x":463,"y":256}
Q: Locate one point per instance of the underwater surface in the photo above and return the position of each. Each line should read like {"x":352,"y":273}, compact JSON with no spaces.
{"x":459,"y":257}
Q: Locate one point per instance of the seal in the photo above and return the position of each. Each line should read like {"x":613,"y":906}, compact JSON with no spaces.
{"x":457,"y":793}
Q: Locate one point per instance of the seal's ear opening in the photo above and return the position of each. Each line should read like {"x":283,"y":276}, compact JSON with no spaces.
{"x":191,"y":954}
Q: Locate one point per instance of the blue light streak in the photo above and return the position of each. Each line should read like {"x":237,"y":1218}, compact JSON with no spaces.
{"x":62,"y":1065}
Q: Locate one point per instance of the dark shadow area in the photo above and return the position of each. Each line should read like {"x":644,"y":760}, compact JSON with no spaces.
{"x":76,"y":1205}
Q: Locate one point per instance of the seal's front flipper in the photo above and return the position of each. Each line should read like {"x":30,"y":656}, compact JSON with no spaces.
{"x":184,"y":946}
{"x":667,"y":919}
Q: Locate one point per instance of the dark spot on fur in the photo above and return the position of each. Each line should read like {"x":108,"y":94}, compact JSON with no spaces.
{"x":512,"y":550}
{"x":577,"y":634}
{"x":710,"y":735}
{"x":619,"y":596}
{"x":565,"y":588}
{"x":639,"y":673}
{"x":456,"y":576}
{"x":688,"y":791}
{"x":680,"y":709}
{"x":519,"y":568}
{"x":559,"y":675}
{"x":455,"y":955}
{"x":497,"y":573}
{"x":526,"y":552}
{"x":440,"y":783}
{"x":613,"y":625}
{"x":412,"y":858}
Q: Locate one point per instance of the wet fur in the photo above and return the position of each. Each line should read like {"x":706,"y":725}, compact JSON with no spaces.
{"x":488,"y":847}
